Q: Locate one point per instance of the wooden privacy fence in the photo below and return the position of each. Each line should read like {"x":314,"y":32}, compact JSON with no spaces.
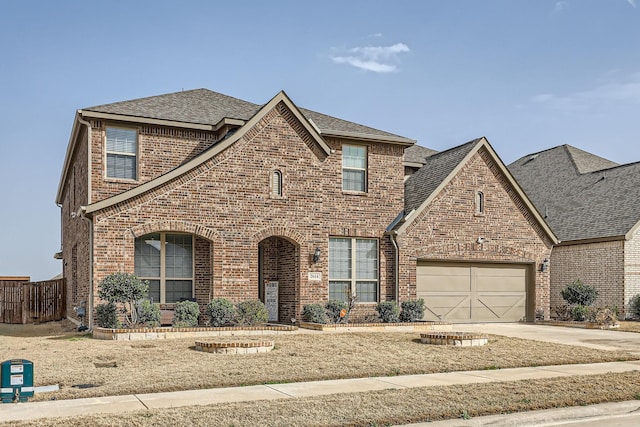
{"x":32,"y":302}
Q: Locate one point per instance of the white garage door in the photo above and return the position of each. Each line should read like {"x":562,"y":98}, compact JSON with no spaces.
{"x":460,"y":292}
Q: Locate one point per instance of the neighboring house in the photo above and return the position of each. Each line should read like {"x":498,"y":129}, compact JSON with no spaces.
{"x":591,"y":204}
{"x":471,"y":243}
{"x":205,"y":196}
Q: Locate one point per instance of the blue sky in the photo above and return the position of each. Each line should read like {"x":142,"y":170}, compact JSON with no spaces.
{"x":528,"y":75}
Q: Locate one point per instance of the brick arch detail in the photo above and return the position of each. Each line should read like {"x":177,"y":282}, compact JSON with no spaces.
{"x":179,"y":226}
{"x":294,"y":236}
{"x":473,"y":252}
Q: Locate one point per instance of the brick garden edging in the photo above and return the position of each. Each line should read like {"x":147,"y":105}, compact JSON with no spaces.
{"x":576,"y":324}
{"x":137,"y":334}
{"x":458,"y":339}
{"x":235,"y":347}
{"x":378,"y":327}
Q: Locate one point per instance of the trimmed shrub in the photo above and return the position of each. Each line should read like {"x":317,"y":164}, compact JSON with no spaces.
{"x":252,"y":312}
{"x":578,"y":293}
{"x":634,"y":306}
{"x":221,"y":312}
{"x":334,"y":308}
{"x":412,"y":310}
{"x":314,"y":313}
{"x":148,"y":313}
{"x":388,"y":311}
{"x":186,"y":314}
{"x":125,"y":289}
{"x":580,"y":313}
{"x":107,"y":316}
{"x":563,"y":312}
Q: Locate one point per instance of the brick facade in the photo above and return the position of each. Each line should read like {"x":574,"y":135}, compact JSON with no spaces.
{"x":631,"y":269}
{"x":597,"y":264}
{"x":226,"y":203}
{"x":448,"y":229}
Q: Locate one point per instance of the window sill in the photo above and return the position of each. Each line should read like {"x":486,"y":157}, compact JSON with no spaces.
{"x":477,"y":214}
{"x":121,"y":180}
{"x":355,"y":193}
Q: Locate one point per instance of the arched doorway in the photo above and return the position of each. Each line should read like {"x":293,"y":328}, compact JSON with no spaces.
{"x":279,"y":275}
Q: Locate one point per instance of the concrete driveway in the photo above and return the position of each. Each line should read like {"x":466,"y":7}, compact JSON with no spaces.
{"x":594,"y":338}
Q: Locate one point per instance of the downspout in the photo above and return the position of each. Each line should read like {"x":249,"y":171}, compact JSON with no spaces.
{"x":393,"y":235}
{"x":81,"y":214}
{"x":89,"y":317}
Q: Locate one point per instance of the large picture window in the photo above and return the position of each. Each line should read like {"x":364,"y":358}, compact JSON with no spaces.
{"x":121,"y":153}
{"x":353,"y":269}
{"x":166,"y":261}
{"x":354,"y":168}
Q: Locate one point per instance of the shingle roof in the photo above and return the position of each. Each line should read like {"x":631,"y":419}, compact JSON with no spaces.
{"x":203,"y":106}
{"x":417,"y":154}
{"x":419,"y":186}
{"x":582,"y":195}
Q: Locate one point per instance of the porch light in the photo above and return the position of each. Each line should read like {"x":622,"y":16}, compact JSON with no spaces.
{"x":316,"y":256}
{"x":545,"y":265}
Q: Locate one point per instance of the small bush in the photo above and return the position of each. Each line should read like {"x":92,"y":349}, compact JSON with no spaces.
{"x":563,"y":312}
{"x":186,"y":314}
{"x":606,"y":317}
{"x":578,"y":293}
{"x":107,"y":316}
{"x":334,"y":308}
{"x":126,"y":289}
{"x":314,"y":313}
{"x":148,"y":313}
{"x":634,"y":306}
{"x":252,"y":312}
{"x":579,"y":313}
{"x":221,"y":312}
{"x":412,"y":310}
{"x":388,"y":311}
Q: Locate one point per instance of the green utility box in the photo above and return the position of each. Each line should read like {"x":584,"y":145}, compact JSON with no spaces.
{"x":17,"y":380}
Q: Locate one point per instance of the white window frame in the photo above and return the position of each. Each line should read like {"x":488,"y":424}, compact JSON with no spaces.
{"x":480,"y":203}
{"x":364,"y":169}
{"x":163,"y":277}
{"x":275,"y":184}
{"x":353,"y":280}
{"x":119,"y":153}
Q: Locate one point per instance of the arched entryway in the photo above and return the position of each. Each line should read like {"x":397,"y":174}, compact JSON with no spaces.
{"x":279,"y":277}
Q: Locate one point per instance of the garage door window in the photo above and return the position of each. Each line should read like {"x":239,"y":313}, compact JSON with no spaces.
{"x":353,"y":269}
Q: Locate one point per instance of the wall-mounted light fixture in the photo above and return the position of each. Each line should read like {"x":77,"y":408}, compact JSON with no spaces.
{"x":316,"y":256}
{"x":545,"y":265}
{"x":481,"y":240}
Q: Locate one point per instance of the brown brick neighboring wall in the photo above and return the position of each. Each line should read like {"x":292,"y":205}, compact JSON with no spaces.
{"x":226,"y":201}
{"x":597,"y":264}
{"x":631,"y":269}
{"x":449,"y":227}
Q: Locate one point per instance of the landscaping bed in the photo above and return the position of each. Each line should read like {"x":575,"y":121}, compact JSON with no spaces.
{"x":378,"y":327}
{"x":137,"y":334}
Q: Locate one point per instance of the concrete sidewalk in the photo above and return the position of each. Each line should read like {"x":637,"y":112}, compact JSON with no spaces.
{"x":119,"y":404}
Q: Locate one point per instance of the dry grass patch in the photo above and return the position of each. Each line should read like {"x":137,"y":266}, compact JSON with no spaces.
{"x":125,"y":367}
{"x":629,"y":326}
{"x":386,"y":407}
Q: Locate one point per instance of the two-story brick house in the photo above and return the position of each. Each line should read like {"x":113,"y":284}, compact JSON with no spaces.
{"x":206,"y":196}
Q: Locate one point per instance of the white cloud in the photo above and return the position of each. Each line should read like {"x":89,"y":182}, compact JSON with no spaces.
{"x":632,"y":2}
{"x":625,"y":90}
{"x":379,"y":59}
{"x":559,"y":7}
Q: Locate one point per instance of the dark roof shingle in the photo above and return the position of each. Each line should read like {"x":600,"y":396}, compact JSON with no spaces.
{"x":203,"y":106}
{"x":419,"y":186}
{"x":582,"y":196}
{"x":418,"y":154}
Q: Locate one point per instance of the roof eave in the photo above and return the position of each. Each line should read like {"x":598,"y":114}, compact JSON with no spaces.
{"x":369,"y":137}
{"x":71,"y":146}
{"x":591,"y":240}
{"x":413,"y":164}
{"x":146,"y":120}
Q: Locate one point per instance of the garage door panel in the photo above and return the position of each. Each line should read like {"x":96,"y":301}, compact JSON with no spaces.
{"x":472,"y":292}
{"x":500,"y":284}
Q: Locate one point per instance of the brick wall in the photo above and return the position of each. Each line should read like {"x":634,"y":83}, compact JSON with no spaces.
{"x":631,"y":269}
{"x":449,"y":228}
{"x":226,"y":201}
{"x":596,"y":264}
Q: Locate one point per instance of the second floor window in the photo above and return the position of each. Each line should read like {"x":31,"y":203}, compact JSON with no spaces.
{"x":354,"y":168}
{"x":121,"y":153}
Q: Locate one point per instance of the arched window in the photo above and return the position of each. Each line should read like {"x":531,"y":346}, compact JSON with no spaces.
{"x":276,"y":183}
{"x":479,"y":202}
